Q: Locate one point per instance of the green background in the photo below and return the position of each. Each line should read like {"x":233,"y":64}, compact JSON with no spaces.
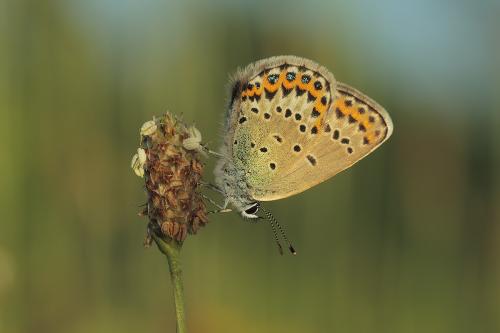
{"x":408,"y":240}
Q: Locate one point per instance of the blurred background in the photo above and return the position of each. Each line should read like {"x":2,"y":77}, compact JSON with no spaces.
{"x":406,"y":241}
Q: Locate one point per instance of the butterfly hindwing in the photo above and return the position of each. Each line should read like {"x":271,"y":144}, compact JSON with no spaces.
{"x":354,"y":126}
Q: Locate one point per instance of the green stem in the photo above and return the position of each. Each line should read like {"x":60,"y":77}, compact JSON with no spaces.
{"x":171,"y":249}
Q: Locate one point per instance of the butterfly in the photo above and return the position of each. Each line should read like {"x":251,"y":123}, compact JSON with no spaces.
{"x":289,"y":126}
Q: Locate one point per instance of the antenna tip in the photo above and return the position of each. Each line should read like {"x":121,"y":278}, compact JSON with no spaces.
{"x":292,"y":250}
{"x":280,"y":249}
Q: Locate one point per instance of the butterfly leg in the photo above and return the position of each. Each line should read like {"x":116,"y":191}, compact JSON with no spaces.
{"x":211,"y":201}
{"x":225,"y":210}
{"x":211,"y":187}
{"x":211,"y":152}
{"x":220,"y":209}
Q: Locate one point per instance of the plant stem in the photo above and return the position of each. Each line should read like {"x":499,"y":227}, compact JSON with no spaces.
{"x":171,"y":249}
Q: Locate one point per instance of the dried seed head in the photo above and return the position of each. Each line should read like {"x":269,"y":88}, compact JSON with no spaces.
{"x":169,"y":161}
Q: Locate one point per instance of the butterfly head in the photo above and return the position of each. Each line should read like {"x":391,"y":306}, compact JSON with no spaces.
{"x":251,"y":210}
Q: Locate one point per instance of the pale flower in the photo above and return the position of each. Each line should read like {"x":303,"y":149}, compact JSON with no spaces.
{"x":138,"y":162}
{"x":193,"y":142}
{"x":148,"y":128}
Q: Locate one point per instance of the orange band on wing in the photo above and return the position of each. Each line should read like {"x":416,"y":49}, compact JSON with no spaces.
{"x":357,"y":113}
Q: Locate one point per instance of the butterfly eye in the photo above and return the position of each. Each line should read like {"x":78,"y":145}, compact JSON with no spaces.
{"x":253,"y":209}
{"x":273,"y":78}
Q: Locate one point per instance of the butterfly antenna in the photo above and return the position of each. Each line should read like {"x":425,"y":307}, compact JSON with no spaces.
{"x":273,"y":221}
{"x":280,"y":249}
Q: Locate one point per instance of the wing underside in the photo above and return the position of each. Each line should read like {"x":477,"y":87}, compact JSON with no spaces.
{"x":296,"y":127}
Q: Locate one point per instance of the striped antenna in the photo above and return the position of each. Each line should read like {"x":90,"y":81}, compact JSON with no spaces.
{"x":273,"y":221}
{"x":275,"y":234}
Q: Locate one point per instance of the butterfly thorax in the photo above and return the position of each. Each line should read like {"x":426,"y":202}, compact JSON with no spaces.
{"x":232,"y":181}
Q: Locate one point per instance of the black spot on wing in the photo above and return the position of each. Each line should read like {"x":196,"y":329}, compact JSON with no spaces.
{"x":311,"y":160}
{"x":273,"y":78}
{"x":290,"y":76}
{"x":310,"y":97}
{"x":269,"y":95}
{"x":336,"y":134}
{"x":235,"y":91}
{"x":339,"y":113}
{"x":299,"y":91}
{"x":286,"y":91}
